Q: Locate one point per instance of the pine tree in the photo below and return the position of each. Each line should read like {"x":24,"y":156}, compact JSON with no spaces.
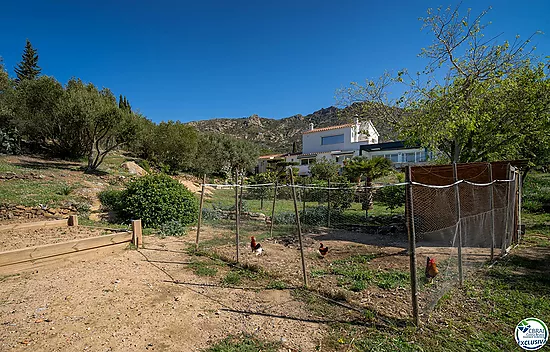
{"x":28,"y":68}
{"x":124,"y":104}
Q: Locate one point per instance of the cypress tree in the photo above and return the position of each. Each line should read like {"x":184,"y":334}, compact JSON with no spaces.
{"x":28,"y":67}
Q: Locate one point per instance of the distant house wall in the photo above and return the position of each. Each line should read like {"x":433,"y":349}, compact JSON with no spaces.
{"x":312,"y":142}
{"x":401,"y":156}
{"x":347,"y":137}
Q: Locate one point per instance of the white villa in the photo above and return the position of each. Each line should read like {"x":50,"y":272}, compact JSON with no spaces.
{"x":343,"y":142}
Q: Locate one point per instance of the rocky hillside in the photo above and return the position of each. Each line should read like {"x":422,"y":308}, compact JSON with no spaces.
{"x":279,"y":135}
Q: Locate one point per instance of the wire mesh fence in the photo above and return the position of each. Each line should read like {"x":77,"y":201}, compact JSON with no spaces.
{"x":461,"y":218}
{"x":462,"y":225}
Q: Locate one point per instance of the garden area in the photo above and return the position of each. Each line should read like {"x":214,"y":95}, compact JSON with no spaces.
{"x":168,"y":296}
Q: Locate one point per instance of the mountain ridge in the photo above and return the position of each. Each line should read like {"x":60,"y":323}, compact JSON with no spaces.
{"x":279,"y":135}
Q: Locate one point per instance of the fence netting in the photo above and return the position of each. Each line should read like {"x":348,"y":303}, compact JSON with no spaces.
{"x":339,"y":211}
{"x":463,"y":225}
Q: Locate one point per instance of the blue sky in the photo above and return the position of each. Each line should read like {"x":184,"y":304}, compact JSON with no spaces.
{"x":183,"y":60}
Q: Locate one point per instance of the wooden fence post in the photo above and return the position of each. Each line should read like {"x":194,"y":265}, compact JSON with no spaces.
{"x":73,"y":220}
{"x":328,"y":204}
{"x":273,"y":209}
{"x":507,"y":227}
{"x":412,"y":245}
{"x":492,"y":204}
{"x":200,"y":213}
{"x":137,"y":237}
{"x":237,"y":239}
{"x":299,"y":226}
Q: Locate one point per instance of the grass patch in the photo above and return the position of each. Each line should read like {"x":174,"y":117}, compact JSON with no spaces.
{"x":388,"y":280}
{"x":203,"y":269}
{"x":245,"y":343}
{"x":276,"y":285}
{"x":7,"y":167}
{"x":355,"y":275}
{"x":32,"y":193}
{"x":243,"y":273}
{"x":536,"y":193}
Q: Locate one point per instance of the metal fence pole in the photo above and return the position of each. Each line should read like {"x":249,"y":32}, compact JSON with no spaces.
{"x":492,"y":205}
{"x":200,"y":212}
{"x":299,"y":227}
{"x":412,"y":245}
{"x":459,"y":228}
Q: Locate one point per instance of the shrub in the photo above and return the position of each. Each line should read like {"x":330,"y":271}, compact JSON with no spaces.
{"x":173,"y":228}
{"x":158,"y":199}
{"x":318,"y":215}
{"x":144,"y":164}
{"x":284,"y":218}
{"x":392,"y":197}
{"x":111,"y":199}
{"x":209,"y":214}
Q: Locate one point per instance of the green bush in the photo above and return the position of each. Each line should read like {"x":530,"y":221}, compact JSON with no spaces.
{"x":111,"y":199}
{"x":144,"y":164}
{"x":318,"y":215}
{"x":285,"y":218}
{"x":536,"y":193}
{"x":392,"y":197}
{"x":158,"y":199}
{"x":209,"y":214}
{"x":173,"y":228}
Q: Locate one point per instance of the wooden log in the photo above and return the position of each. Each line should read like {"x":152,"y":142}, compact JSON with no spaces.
{"x":137,"y":233}
{"x":34,"y":225}
{"x":56,"y":249}
{"x":62,"y":260}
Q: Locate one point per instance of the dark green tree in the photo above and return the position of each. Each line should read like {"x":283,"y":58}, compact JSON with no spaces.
{"x":28,"y":67}
{"x":325,"y":169}
{"x":360,"y":168}
{"x":173,"y":145}
{"x":445,"y":107}
{"x":124,"y":104}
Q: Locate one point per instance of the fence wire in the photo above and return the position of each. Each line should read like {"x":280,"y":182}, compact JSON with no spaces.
{"x":463,"y":226}
{"x":468,"y":222}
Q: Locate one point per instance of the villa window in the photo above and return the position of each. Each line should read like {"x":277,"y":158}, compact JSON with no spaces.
{"x":409,"y":157}
{"x":338,"y":139}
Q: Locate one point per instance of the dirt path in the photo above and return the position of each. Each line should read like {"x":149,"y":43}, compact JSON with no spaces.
{"x":129,"y":302}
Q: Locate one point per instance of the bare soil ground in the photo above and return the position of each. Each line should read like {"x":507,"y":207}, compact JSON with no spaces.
{"x":17,"y":239}
{"x":130,"y":301}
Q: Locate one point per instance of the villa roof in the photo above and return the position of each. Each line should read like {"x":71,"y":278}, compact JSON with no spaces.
{"x":272,"y":156}
{"x":328,"y":128}
{"x":386,"y":146}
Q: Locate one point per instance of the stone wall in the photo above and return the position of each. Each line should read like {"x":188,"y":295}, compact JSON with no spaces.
{"x":22,"y":212}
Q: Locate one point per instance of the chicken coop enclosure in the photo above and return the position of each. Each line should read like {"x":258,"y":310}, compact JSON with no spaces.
{"x":464,"y":216}
{"x":379,"y":235}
